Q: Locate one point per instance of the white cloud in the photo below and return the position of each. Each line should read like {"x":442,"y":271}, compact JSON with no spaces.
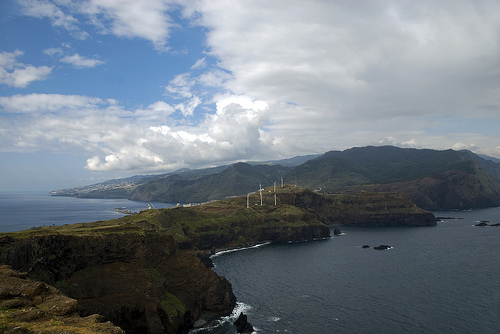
{"x":47,"y":103}
{"x":53,"y":51}
{"x":131,"y":18}
{"x":213,"y":78}
{"x":145,"y":140}
{"x":200,"y":63}
{"x":187,"y":109}
{"x":180,"y":86}
{"x":81,"y":62}
{"x":157,"y":111}
{"x":46,"y":9}
{"x":148,"y":20}
{"x":16,"y":74}
{"x":350,"y":73}
{"x":291,"y":78}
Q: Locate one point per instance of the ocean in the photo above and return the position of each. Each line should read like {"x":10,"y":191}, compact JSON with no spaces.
{"x":24,"y":211}
{"x":441,"y":279}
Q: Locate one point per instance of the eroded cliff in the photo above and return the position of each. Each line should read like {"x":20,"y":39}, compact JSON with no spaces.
{"x":140,"y":282}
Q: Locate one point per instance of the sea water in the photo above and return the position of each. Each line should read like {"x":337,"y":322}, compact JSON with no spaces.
{"x":24,"y":211}
{"x":441,"y":279}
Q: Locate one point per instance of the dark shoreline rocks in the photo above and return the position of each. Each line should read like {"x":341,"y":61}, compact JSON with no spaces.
{"x":242,"y":324}
{"x":484,"y":223}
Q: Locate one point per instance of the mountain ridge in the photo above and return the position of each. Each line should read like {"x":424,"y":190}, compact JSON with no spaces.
{"x":430,"y":178}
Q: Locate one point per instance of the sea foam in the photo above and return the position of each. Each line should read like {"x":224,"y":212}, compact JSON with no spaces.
{"x":239,"y":249}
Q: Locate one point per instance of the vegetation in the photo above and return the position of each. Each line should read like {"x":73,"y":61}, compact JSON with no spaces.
{"x":173,"y":306}
{"x":224,"y":223}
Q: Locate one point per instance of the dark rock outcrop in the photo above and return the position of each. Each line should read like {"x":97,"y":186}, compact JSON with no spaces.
{"x":242,"y":324}
{"x":28,"y":306}
{"x":382,"y":247}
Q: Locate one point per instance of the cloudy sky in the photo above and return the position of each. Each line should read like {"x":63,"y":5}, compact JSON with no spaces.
{"x":96,"y":89}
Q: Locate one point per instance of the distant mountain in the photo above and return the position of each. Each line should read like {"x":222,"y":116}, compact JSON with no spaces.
{"x":487,"y":157}
{"x":488,"y":164}
{"x":430,"y":178}
{"x":237,"y":179}
{"x":115,"y":188}
{"x":291,"y":162}
{"x":126,"y":187}
{"x":375,"y":165}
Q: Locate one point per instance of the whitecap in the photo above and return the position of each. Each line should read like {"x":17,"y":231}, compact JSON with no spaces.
{"x":239,"y":249}
{"x":230,"y":319}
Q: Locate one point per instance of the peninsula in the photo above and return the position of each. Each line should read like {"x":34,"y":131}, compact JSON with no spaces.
{"x":150,"y":272}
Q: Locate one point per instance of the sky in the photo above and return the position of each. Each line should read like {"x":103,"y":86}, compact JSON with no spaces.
{"x":92,"y":90}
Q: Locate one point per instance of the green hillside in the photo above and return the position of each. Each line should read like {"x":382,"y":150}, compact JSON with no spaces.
{"x":375,"y":165}
{"x":238,"y":179}
{"x":431,"y":179}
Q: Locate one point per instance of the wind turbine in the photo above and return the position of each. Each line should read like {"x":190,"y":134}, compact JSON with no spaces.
{"x":260,"y":191}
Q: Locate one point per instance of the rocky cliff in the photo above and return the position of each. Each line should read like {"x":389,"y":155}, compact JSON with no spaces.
{"x":140,"y":282}
{"x":28,"y":306}
{"x":361,"y":209}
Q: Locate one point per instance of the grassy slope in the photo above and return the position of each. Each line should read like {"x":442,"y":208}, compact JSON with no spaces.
{"x":188,"y":226}
{"x":237,"y":179}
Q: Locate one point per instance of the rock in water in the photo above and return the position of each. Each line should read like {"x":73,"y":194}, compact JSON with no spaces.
{"x":242,"y":325}
{"x":382,"y":247}
{"x":336,"y":231}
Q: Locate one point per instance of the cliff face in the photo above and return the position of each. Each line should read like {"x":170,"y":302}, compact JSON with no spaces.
{"x":453,"y":190}
{"x":141,"y":283}
{"x":362,"y":209}
{"x":28,"y":306}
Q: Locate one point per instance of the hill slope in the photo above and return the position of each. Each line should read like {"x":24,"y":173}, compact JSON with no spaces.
{"x":238,"y":179}
{"x":431,"y":179}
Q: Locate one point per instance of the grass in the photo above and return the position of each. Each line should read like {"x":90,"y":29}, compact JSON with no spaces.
{"x":173,"y":306}
{"x":230,"y":220}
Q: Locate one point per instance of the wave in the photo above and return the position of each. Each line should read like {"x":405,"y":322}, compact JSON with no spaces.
{"x":225,"y":321}
{"x":239,"y":249}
